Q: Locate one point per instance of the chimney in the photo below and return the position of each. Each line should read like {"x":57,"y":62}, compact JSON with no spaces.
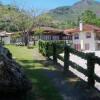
{"x":81,"y":26}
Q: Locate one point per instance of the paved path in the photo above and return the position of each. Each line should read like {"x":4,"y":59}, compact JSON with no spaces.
{"x":69,"y":85}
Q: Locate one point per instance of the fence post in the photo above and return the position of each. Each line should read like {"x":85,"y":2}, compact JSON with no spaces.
{"x":66,"y":58}
{"x":90,"y":69}
{"x":54,"y":53}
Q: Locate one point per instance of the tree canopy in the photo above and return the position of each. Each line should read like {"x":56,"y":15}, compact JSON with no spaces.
{"x":90,"y":18}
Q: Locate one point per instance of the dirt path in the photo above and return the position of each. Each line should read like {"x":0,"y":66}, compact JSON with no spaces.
{"x":69,"y":85}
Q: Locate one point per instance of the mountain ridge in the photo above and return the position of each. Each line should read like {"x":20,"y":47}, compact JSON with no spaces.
{"x":74,"y":11}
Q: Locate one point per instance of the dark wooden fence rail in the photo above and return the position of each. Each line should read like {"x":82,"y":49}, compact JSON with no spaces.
{"x":90,"y":57}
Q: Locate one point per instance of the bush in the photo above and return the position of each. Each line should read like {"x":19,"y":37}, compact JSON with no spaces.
{"x":46,"y":47}
{"x":2,"y":42}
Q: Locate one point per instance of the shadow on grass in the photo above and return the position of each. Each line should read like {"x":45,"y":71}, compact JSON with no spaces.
{"x":45,"y":80}
{"x":42,"y":86}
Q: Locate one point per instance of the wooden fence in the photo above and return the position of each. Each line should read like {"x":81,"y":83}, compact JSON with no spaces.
{"x":90,"y":57}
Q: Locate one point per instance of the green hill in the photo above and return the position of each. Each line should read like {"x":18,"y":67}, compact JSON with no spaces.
{"x":74,"y":11}
{"x":7,"y":13}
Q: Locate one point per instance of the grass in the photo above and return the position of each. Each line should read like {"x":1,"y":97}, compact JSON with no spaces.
{"x":43,"y":89}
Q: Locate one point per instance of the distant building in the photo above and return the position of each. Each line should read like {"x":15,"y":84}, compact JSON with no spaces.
{"x":50,"y":33}
{"x":5,"y":37}
{"x":86,"y":37}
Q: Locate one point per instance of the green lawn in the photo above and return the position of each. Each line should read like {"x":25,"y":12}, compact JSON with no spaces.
{"x":43,"y":89}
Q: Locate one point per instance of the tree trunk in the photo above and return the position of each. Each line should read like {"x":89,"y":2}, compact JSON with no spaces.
{"x":26,"y":38}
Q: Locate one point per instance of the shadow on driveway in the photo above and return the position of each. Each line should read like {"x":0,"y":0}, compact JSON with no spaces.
{"x":69,"y":86}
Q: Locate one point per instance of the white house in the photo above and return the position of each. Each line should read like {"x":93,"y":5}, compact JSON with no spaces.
{"x":5,"y":37}
{"x":86,"y":37}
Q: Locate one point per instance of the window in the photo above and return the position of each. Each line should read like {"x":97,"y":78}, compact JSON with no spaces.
{"x":77,"y":47}
{"x":55,"y":37}
{"x":87,"y":46}
{"x":88,"y":35}
{"x":76,"y":36}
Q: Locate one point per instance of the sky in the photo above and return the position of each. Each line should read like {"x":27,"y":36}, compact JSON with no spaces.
{"x":40,"y":4}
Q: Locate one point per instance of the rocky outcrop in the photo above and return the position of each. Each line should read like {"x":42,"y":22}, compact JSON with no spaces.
{"x":12,"y":78}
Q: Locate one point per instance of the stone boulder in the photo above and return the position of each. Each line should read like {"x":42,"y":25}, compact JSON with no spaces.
{"x":12,"y":78}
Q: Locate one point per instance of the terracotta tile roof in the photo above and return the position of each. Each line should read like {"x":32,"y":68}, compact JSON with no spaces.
{"x":50,"y":30}
{"x":86,"y":27}
{"x":71,"y":30}
{"x":4,"y":34}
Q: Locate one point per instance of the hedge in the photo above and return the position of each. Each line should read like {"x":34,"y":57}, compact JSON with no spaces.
{"x":46,"y":47}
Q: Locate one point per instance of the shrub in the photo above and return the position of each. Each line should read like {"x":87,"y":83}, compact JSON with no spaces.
{"x":2,"y":42}
{"x":46,"y":47}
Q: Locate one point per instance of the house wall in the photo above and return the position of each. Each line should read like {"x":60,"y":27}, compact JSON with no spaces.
{"x":83,"y":41}
{"x":97,"y":46}
{"x":6,"y":40}
{"x":97,"y":40}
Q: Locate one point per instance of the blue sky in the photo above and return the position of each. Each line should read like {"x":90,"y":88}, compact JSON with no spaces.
{"x":40,"y":4}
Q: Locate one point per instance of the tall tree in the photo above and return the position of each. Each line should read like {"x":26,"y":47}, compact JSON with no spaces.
{"x":25,"y":22}
{"x":88,"y":16}
{"x":44,"y":20}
